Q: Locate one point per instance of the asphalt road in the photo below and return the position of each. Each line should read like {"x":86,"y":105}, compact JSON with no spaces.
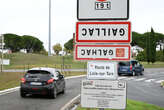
{"x":13,"y":101}
{"x":143,"y":88}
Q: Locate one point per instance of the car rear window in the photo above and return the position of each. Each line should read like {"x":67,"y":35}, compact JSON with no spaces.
{"x":38,"y":72}
{"x":124,"y":63}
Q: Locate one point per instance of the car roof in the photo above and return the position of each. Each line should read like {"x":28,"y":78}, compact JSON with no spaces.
{"x":51,"y":70}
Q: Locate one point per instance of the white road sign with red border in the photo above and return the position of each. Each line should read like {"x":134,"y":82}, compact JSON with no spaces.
{"x":102,"y":52}
{"x":103,"y":32}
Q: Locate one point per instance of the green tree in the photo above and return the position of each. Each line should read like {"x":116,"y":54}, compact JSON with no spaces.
{"x":32,"y":44}
{"x":13,"y":42}
{"x":153,"y":46}
{"x":69,"y":46}
{"x":57,"y":48}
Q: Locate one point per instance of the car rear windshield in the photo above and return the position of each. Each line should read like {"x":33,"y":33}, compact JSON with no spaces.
{"x":124,"y":63}
{"x":38,"y":72}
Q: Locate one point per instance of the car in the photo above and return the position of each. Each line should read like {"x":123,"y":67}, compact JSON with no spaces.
{"x":132,"y":67}
{"x":44,"y":81}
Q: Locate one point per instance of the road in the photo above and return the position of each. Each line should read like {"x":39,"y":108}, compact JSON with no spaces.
{"x":13,"y":101}
{"x":143,"y":88}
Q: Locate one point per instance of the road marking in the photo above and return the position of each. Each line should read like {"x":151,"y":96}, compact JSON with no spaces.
{"x":129,"y":79}
{"x":150,"y":80}
{"x":140,"y":79}
{"x":119,"y":78}
{"x":159,"y":81}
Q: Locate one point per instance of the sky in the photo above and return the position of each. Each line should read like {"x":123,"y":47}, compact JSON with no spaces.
{"x":30,"y":17}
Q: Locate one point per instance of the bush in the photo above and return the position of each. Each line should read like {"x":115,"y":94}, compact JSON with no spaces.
{"x":141,"y":56}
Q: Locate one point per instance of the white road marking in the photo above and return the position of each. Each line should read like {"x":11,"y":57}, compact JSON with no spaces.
{"x":140,"y":79}
{"x":119,"y":78}
{"x":150,"y":80}
{"x":159,"y":81}
{"x":129,"y":79}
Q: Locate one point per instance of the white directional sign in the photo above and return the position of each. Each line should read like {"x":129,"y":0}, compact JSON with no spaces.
{"x":102,"y":9}
{"x":102,"y":70}
{"x":103,"y":94}
{"x":102,"y":52}
{"x":103,"y":32}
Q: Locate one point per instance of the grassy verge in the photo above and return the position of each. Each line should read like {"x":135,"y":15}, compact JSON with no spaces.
{"x":133,"y":105}
{"x":25,"y":61}
{"x":10,"y":80}
{"x":155,"y":65}
{"x":162,"y":84}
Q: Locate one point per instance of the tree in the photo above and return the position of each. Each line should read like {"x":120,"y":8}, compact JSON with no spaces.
{"x":13,"y":42}
{"x":151,"y":46}
{"x":69,"y":46}
{"x":57,"y":48}
{"x":32,"y":44}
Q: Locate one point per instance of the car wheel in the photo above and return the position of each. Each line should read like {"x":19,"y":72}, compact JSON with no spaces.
{"x":54,"y":94}
{"x":63,"y":91}
{"x":22,"y":94}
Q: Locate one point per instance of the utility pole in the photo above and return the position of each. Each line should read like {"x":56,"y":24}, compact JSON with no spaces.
{"x":49,"y":52}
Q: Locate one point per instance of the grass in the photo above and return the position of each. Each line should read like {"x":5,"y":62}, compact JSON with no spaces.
{"x":133,"y":105}
{"x":155,"y":65}
{"x":162,"y":84}
{"x":26,"y":61}
{"x":10,"y":80}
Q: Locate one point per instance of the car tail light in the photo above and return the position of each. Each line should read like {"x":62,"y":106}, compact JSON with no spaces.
{"x":23,"y":80}
{"x":50,"y":81}
{"x":131,"y":67}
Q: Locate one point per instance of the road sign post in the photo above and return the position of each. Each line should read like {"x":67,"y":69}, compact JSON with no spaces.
{"x":95,"y":43}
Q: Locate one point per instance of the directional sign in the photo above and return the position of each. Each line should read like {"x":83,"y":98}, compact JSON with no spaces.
{"x":107,"y":32}
{"x":102,"y":52}
{"x":102,"y":70}
{"x":103,"y":94}
{"x":102,"y":9}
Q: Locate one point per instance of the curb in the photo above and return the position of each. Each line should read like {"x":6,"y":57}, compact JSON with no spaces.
{"x":9,"y":90}
{"x":71,"y":103}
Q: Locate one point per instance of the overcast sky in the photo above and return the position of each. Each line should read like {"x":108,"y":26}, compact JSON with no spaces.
{"x":30,"y":17}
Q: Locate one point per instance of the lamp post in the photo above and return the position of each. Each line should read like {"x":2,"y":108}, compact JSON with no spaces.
{"x":49,"y":45}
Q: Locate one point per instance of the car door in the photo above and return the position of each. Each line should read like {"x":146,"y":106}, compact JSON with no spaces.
{"x":60,"y":81}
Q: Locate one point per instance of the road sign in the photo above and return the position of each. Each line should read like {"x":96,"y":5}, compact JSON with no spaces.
{"x":107,"y":32}
{"x":103,"y":94}
{"x":102,"y":52}
{"x":102,"y":70}
{"x":102,"y":9}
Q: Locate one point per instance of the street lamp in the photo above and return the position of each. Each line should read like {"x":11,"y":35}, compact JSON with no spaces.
{"x":49,"y":52}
